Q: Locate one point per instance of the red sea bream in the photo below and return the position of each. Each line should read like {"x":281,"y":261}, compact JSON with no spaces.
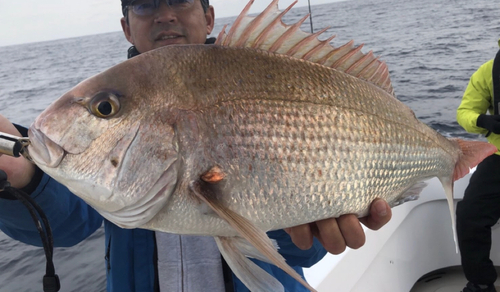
{"x":269,"y":128}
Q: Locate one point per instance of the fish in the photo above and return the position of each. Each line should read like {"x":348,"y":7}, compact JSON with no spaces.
{"x":268,"y":128}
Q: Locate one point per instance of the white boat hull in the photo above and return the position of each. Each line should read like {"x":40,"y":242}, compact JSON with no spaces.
{"x":417,"y":240}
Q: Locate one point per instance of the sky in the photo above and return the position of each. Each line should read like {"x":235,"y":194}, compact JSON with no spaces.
{"x":29,"y":21}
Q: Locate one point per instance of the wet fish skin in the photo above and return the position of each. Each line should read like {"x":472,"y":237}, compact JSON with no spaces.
{"x":231,"y":142}
{"x":112,"y":147}
{"x":292,"y":150}
{"x":330,"y":152}
{"x":329,"y":141}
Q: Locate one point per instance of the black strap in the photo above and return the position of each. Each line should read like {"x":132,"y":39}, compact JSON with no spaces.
{"x":50,"y":279}
{"x":28,"y":189}
{"x":496,"y":83}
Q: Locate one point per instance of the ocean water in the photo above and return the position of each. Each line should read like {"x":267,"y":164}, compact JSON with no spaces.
{"x":430,"y":46}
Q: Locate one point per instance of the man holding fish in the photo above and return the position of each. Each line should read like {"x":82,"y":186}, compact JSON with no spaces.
{"x":144,"y":260}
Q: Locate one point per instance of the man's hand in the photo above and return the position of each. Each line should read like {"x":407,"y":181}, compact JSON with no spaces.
{"x":489,"y":122}
{"x":335,"y":234}
{"x":19,"y":170}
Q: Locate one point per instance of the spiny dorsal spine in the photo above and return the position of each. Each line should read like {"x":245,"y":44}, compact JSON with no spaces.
{"x":267,"y":32}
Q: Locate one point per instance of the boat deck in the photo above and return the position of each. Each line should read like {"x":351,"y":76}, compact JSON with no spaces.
{"x":450,"y":279}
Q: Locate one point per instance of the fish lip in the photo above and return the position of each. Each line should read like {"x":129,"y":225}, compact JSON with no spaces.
{"x":168,"y":34}
{"x":43,"y":150}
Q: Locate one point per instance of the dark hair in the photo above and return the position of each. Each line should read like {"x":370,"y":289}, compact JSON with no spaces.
{"x":125,"y":3}
{"x":204,"y":4}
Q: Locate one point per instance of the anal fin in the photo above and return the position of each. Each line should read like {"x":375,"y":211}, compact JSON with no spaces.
{"x":254,"y":277}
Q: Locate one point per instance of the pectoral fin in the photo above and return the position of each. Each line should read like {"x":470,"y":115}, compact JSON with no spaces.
{"x":254,"y":277}
{"x":249,"y":250}
{"x":258,"y":238}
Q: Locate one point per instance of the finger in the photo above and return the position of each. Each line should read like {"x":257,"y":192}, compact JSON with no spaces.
{"x":301,"y":236}
{"x":352,"y":231}
{"x":330,"y":236}
{"x":7,"y":127}
{"x":380,"y":214}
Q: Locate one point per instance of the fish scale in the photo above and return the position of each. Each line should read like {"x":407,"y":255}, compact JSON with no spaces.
{"x":264,"y":121}
{"x":232,"y":142}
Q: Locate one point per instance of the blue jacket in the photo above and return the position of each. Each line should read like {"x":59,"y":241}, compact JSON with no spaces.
{"x":130,"y":253}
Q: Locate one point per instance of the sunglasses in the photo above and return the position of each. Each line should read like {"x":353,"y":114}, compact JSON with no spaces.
{"x":149,"y":7}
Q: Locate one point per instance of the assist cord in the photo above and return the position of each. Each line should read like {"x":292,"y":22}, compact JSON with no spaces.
{"x":50,"y":280}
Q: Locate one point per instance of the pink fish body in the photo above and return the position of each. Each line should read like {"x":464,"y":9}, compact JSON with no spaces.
{"x":269,"y":128}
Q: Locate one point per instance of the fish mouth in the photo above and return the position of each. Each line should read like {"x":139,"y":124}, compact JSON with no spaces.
{"x":43,"y":150}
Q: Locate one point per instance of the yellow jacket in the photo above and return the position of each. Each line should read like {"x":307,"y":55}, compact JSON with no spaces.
{"x":477,"y":99}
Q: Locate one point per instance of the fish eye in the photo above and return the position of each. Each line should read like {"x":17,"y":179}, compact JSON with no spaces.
{"x":104,"y":105}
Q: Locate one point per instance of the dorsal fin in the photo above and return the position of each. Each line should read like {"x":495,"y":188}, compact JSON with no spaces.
{"x":267,"y":31}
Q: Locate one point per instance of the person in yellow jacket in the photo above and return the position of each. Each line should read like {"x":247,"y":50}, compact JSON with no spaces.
{"x":480,"y":208}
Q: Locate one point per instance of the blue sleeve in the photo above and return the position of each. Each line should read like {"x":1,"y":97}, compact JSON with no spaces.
{"x":295,"y":256}
{"x":70,"y":218}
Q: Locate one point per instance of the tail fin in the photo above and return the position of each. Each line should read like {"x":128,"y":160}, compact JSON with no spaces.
{"x":473,"y":152}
